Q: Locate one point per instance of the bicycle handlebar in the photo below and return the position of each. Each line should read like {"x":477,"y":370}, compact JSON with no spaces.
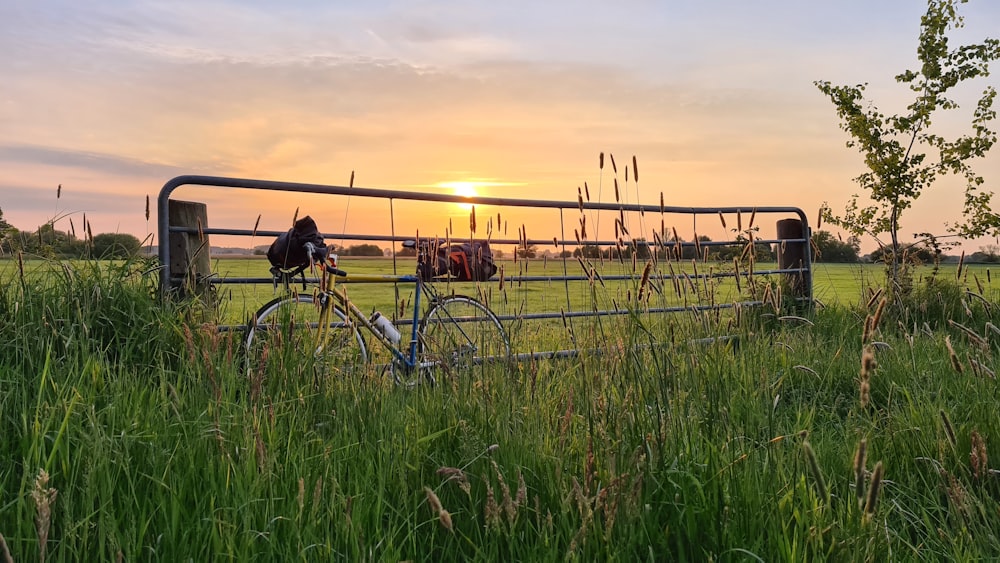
{"x":319,"y":254}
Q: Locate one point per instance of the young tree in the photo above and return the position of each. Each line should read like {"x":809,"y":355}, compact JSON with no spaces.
{"x":898,"y":170}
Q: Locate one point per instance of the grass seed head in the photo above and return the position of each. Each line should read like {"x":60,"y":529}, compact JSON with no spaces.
{"x":491,"y":510}
{"x":859,"y":470}
{"x":949,"y":430}
{"x":432,"y":500}
{"x":956,"y":364}
{"x":43,"y":496}
{"x":814,"y":469}
{"x":878,"y":313}
{"x":444,"y":517}
{"x":977,"y":457}
{"x":522,"y":491}
{"x":4,"y":551}
{"x":874,"y":490}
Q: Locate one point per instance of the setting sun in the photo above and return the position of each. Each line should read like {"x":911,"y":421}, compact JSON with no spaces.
{"x":464,"y":189}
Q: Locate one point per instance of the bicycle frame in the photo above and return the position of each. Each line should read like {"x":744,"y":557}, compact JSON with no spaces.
{"x":328,"y":288}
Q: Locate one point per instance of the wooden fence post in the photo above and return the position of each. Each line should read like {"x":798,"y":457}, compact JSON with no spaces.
{"x":190,"y":256}
{"x":793,"y":255}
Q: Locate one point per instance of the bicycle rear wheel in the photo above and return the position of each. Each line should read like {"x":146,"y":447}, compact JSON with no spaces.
{"x":282,"y":336}
{"x":459,"y":332}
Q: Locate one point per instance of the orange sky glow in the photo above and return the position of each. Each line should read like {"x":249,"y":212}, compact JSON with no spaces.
{"x":715,"y":100}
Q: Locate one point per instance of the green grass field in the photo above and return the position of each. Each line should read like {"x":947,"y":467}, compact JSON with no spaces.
{"x":132,"y":431}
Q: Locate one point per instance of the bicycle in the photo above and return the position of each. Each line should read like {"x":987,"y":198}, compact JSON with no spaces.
{"x":454,"y":332}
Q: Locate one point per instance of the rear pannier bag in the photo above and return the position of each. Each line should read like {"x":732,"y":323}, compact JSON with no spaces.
{"x":469,"y":261}
{"x":288,"y":251}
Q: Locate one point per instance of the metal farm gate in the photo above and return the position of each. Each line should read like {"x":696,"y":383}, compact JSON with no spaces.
{"x":688,"y":272}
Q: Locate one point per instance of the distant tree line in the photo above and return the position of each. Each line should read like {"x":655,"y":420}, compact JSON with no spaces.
{"x":828,"y":248}
{"x":49,"y":242}
{"x":353,"y":250}
{"x":676,"y":250}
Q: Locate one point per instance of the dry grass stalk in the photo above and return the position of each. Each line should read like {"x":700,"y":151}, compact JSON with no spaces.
{"x":993,"y":328}
{"x":491,"y":510}
{"x":874,"y":490}
{"x":875,"y":294}
{"x":522,"y":491}
{"x":507,"y":502}
{"x":877,"y":317}
{"x":644,"y":281}
{"x":736,"y":274}
{"x":971,"y":334}
{"x":958,"y":271}
{"x":949,"y":430}
{"x":860,"y":458}
{"x":259,"y":449}
{"x":458,"y":476}
{"x":955,"y":362}
{"x":43,"y":496}
{"x":301,"y":497}
{"x":868,"y":365}
{"x":444,"y":517}
{"x":635,"y":169}
{"x":814,"y":469}
{"x":981,"y":369}
{"x":432,"y":500}
{"x":5,"y":551}
{"x":958,"y":496}
{"x":317,"y":494}
{"x":20,"y":267}
{"x":866,"y":333}
{"x":977,"y":457}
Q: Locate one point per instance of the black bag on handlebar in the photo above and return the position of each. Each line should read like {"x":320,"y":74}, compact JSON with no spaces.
{"x":288,"y":251}
{"x":469,"y":261}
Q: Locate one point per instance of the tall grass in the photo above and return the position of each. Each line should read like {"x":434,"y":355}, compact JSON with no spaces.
{"x":155,"y":446}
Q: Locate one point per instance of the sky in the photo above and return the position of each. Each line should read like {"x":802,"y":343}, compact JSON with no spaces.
{"x":714,"y":98}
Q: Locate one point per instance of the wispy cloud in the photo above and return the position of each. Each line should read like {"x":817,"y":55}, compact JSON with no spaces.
{"x":106,"y":163}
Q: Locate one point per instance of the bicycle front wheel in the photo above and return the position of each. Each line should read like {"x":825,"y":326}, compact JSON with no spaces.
{"x":458,"y":332}
{"x":283,"y":336}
